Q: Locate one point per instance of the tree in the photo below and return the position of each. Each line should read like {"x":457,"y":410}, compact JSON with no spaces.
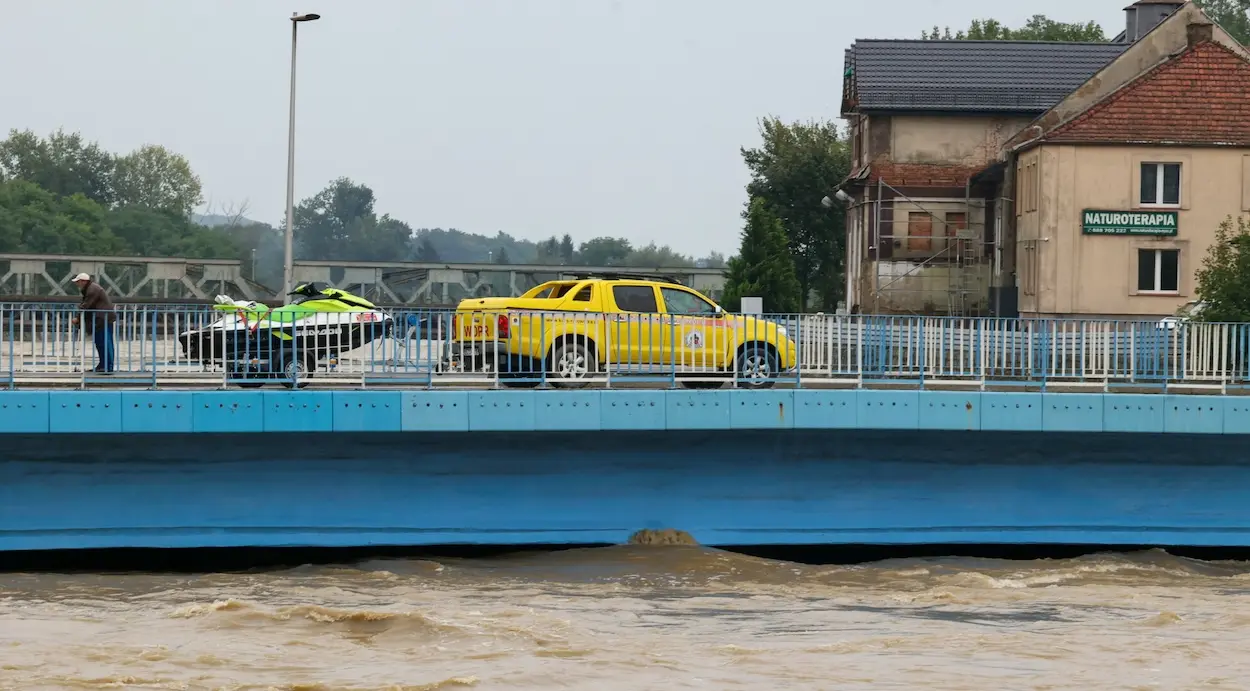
{"x":63,"y":164}
{"x":604,"y":251}
{"x":501,"y":256}
{"x":36,"y":221}
{"x":1224,"y":279}
{"x":339,"y":223}
{"x":425,"y":250}
{"x":714,"y":260}
{"x":548,"y":251}
{"x":1232,"y":15}
{"x":1038,"y":28}
{"x":791,"y":171}
{"x":567,"y":251}
{"x":154,"y":177}
{"x":763,"y":267}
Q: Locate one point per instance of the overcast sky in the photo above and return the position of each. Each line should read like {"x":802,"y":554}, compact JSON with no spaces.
{"x":535,"y":117}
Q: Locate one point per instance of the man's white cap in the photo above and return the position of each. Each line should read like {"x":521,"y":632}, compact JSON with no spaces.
{"x":81,"y":277}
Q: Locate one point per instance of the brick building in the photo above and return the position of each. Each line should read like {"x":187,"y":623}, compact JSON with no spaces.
{"x":931,"y":200}
{"x":1120,"y":186}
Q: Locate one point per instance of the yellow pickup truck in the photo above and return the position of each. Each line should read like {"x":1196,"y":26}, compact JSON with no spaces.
{"x":578,"y":330}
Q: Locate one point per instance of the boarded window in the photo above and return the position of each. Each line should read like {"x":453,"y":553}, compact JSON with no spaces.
{"x":955,"y":222}
{"x":919,"y":231}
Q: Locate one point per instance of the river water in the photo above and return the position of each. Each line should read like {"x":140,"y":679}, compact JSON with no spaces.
{"x":638,"y":617}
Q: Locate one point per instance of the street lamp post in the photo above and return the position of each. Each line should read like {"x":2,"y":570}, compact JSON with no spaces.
{"x":288,"y":260}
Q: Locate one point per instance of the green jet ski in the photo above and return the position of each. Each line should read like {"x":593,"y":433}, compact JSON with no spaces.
{"x":259,"y":342}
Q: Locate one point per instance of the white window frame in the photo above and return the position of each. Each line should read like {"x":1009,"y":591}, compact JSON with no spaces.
{"x":1158,"y":262}
{"x":1158,"y":168}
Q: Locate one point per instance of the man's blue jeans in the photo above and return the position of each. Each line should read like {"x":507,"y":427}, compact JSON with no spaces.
{"x":105,"y":346}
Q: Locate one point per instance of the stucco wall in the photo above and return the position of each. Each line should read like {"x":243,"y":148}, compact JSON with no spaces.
{"x":950,"y":139}
{"x":1097,"y":275}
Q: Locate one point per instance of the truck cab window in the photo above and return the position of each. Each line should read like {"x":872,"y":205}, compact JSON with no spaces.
{"x":635,"y":299}
{"x":681,"y":302}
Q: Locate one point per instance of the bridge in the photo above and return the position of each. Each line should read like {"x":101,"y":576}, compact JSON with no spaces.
{"x":25,"y":277}
{"x":889,"y":430}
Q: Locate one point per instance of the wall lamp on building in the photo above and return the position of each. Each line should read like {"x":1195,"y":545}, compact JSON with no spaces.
{"x":840,"y":195}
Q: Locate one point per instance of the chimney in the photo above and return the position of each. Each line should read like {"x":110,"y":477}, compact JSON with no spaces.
{"x":1197,"y":33}
{"x":1144,"y":15}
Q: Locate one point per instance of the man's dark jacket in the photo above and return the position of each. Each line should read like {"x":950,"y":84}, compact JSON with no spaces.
{"x":98,"y":305}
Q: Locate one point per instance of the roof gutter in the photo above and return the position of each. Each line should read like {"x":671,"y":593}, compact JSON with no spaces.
{"x":1029,"y":141}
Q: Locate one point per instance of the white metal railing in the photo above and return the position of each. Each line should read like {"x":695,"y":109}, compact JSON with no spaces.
{"x":180,"y":346}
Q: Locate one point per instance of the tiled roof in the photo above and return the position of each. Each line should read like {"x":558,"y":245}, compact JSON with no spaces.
{"x":1026,"y":77}
{"x":1201,"y":96}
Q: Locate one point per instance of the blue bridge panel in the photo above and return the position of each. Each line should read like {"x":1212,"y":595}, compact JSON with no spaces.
{"x":568,"y":410}
{"x":1133,"y":413}
{"x":1064,"y":412}
{"x":158,"y":412}
{"x":78,"y":412}
{"x":435,"y":411}
{"x":1194,"y":414}
{"x":698,"y":410}
{"x":889,"y":410}
{"x":228,"y":411}
{"x":1011,"y":412}
{"x":950,"y":410}
{"x":638,"y":410}
{"x":299,"y":411}
{"x":372,"y":411}
{"x":502,"y":411}
{"x":724,"y":487}
{"x":761,"y":409}
{"x":1237,"y":415}
{"x":816,"y":409}
{"x":23,"y":412}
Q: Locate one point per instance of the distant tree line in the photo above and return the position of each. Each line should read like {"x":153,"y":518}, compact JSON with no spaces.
{"x":62,"y":194}
{"x":1232,"y":15}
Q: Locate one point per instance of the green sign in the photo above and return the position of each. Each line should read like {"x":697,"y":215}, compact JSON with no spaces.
{"x":1128,"y":222}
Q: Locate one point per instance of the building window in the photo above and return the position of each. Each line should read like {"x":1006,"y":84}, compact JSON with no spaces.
{"x":1160,"y":184}
{"x":1026,"y":187}
{"x":1158,"y":271}
{"x":956,"y":221}
{"x":919,"y":231}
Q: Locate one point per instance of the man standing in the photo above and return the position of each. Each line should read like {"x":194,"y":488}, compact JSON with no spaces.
{"x":100,"y":317}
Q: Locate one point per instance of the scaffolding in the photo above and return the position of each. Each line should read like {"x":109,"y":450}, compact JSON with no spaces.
{"x":930,"y":275}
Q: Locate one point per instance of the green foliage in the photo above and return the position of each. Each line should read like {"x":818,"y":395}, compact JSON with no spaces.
{"x":154,"y":177}
{"x":792,"y":170}
{"x":764,"y":266}
{"x":36,"y":221}
{"x":1232,"y":15}
{"x":63,"y":164}
{"x":1038,"y":28}
{"x":604,"y":251}
{"x":1224,"y":279}
{"x":65,"y":195}
{"x":339,"y":223}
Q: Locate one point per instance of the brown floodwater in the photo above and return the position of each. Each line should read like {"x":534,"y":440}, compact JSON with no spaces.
{"x":639,"y":617}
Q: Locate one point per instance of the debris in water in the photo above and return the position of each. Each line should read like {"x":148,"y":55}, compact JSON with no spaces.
{"x":667,"y":536}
